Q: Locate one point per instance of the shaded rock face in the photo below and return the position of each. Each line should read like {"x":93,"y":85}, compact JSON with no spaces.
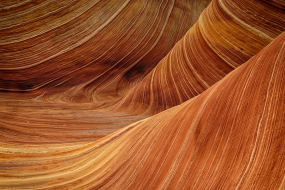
{"x":79,"y":82}
{"x":88,"y":50}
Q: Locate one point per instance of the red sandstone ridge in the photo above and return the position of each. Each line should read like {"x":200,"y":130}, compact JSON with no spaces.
{"x":87,"y":50}
{"x":227,"y":34}
{"x":228,"y":137}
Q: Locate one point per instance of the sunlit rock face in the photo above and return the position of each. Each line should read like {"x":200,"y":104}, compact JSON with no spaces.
{"x":227,"y":34}
{"x":228,"y":137}
{"x":87,"y":50}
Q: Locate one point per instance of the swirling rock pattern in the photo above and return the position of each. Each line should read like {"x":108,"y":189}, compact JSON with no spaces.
{"x":58,"y":56}
{"x":87,"y":50}
{"x":61,"y":66}
{"x":227,"y":34}
{"x":228,"y":137}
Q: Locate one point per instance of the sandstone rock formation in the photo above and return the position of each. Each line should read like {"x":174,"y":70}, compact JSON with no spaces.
{"x":228,"y":137}
{"x":87,"y":50}
{"x":227,"y":34}
{"x":58,"y":56}
{"x":84,"y":104}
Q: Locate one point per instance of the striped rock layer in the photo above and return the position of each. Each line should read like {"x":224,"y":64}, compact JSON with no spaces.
{"x":227,"y":34}
{"x":229,"y":137}
{"x":86,"y":50}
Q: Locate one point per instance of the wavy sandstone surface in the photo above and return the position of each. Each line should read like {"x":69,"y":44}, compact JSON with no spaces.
{"x":80,"y":79}
{"x":56,"y":56}
{"x":227,"y":34}
{"x":228,"y":137}
{"x":87,"y":50}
